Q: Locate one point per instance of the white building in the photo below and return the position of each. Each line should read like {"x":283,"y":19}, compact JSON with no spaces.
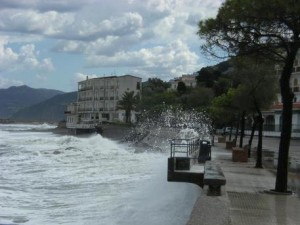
{"x":97,"y":101}
{"x":188,"y":79}
{"x":273,"y":118}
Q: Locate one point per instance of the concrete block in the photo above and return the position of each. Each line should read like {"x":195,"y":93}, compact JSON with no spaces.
{"x":239,"y":155}
{"x":230,"y":144}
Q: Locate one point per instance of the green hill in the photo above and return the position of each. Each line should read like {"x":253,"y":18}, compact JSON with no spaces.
{"x":51,"y":110}
{"x":15,"y":98}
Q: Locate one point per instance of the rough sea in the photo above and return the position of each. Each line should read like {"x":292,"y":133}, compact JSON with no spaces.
{"x":49,"y":179}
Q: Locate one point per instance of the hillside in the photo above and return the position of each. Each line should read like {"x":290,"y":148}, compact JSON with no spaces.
{"x":15,"y":98}
{"x":210,"y":74}
{"x":51,"y":110}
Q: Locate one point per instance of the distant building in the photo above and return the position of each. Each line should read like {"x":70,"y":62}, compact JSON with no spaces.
{"x":188,"y":79}
{"x":97,"y":101}
{"x":273,"y":117}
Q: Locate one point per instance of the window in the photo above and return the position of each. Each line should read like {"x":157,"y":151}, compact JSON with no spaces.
{"x":138,"y":85}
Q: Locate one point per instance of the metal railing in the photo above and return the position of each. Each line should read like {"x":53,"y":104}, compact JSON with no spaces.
{"x":186,"y":147}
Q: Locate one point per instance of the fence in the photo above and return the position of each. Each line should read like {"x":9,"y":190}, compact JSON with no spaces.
{"x":186,"y":147}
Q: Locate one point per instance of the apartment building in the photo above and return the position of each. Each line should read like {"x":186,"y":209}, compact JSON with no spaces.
{"x":97,"y":101}
{"x":273,"y":117}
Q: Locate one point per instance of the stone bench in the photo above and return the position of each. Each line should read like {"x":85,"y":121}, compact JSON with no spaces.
{"x":213,"y":178}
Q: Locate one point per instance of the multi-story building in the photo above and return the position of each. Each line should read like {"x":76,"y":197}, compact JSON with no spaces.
{"x":273,"y":117}
{"x":97,"y":101}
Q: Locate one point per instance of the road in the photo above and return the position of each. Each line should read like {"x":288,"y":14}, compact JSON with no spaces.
{"x":272,"y":143}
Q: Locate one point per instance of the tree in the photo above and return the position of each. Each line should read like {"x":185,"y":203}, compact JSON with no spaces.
{"x":222,"y":109}
{"x":270,"y":29}
{"x":181,"y":88}
{"x":150,"y":101}
{"x":199,"y":97}
{"x":154,"y":85}
{"x":221,"y":86}
{"x":256,"y":91}
{"x":128,"y":102}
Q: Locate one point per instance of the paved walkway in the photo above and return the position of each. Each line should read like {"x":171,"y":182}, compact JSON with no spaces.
{"x":244,"y":200}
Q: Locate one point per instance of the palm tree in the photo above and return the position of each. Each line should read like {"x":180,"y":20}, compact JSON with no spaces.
{"x":128,"y":102}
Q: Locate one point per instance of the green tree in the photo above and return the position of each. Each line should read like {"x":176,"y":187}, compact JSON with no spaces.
{"x":223,"y":110}
{"x":181,"y":88}
{"x":199,"y":97}
{"x":270,"y":29}
{"x":257,"y":91}
{"x":207,"y":76}
{"x":150,"y":101}
{"x":128,"y":103}
{"x":154,"y":85}
{"x":222,"y":85}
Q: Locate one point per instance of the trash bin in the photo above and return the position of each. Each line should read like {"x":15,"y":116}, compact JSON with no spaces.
{"x":204,"y":152}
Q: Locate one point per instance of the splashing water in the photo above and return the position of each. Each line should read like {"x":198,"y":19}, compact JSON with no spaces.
{"x":156,"y":130}
{"x":50,"y":179}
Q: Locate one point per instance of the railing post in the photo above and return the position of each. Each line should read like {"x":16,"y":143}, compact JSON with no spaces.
{"x":188,"y":149}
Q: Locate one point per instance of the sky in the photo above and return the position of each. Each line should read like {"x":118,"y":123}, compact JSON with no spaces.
{"x":56,"y":43}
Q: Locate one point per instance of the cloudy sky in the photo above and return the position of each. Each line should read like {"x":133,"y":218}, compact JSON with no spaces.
{"x":55,"y":43}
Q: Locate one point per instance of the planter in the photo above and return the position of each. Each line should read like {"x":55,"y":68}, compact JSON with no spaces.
{"x":221,"y":139}
{"x":239,"y":155}
{"x":230,"y":144}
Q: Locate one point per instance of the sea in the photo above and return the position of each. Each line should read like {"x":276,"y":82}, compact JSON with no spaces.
{"x":49,"y":179}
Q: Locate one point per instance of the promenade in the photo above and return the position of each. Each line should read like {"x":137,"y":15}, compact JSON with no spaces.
{"x":244,"y":200}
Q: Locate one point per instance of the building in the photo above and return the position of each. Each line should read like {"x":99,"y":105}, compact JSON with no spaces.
{"x":97,"y":101}
{"x":188,"y":79}
{"x":273,"y":116}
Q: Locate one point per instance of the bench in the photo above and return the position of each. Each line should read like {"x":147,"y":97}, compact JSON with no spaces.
{"x":214,"y":178}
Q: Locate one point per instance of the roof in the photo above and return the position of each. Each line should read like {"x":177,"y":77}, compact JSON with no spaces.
{"x":107,"y":77}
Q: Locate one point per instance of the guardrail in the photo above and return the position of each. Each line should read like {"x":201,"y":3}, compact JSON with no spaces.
{"x":187,"y":147}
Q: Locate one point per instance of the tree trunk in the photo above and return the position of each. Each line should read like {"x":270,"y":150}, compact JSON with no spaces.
{"x":127,"y":116}
{"x":284,"y":145}
{"x":237,"y":131}
{"x":230,"y":133}
{"x":242,"y":128}
{"x":260,"y":122}
{"x":251,"y":137}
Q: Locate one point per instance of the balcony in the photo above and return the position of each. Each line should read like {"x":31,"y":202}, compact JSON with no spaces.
{"x":85,"y":88}
{"x":278,"y":106}
{"x":82,"y":99}
{"x":296,"y":89}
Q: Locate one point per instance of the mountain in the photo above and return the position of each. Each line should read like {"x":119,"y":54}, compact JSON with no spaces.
{"x":15,"y":98}
{"x":51,"y":110}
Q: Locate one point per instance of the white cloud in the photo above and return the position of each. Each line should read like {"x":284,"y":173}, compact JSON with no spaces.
{"x":5,"y":82}
{"x":168,"y":61}
{"x":41,"y":77}
{"x":134,"y":34}
{"x":25,"y":59}
{"x":82,"y":76}
{"x":44,"y":5}
{"x":7,"y":56}
{"x":49,"y":23}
